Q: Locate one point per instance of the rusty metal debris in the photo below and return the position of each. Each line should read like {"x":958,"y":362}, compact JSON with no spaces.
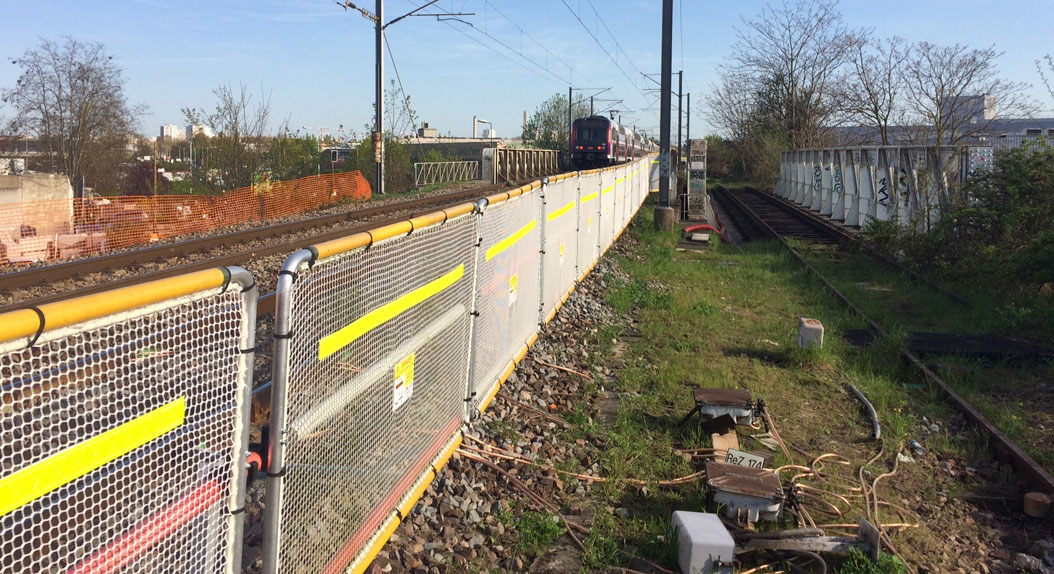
{"x":749,"y":494}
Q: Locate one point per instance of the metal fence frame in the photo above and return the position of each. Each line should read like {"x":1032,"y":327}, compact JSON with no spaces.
{"x":890,"y":183}
{"x":428,"y":173}
{"x":560,"y":198}
{"x":58,"y":481}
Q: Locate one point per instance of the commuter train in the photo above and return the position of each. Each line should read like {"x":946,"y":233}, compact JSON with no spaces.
{"x":597,"y":141}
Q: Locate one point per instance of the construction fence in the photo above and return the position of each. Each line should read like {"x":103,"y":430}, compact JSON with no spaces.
{"x":125,"y":428}
{"x":65,"y":228}
{"x":388,"y":342}
{"x":126,"y":413}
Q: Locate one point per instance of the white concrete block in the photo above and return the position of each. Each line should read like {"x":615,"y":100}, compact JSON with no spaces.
{"x":703,"y":543}
{"x":810,"y":333}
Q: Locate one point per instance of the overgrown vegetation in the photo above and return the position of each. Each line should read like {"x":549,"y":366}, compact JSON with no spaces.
{"x":727,"y":318}
{"x":799,"y":77}
{"x":1000,"y":245}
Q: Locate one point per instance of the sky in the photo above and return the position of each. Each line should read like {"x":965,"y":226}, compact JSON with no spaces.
{"x":315,"y":60}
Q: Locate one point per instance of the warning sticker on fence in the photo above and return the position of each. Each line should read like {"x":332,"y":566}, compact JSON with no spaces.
{"x":514,"y":283}
{"x":561,"y":254}
{"x":589,"y":224}
{"x":404,"y":382}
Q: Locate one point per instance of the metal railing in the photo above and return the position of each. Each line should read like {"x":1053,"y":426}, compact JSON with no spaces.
{"x":387,"y":342}
{"x":444,"y":172}
{"x":126,"y":428}
{"x":854,"y":185}
{"x":520,"y":164}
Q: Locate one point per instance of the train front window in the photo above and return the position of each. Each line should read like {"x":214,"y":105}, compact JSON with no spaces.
{"x":588,"y":135}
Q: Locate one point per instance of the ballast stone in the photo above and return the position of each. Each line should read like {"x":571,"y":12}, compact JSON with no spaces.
{"x":810,"y":333}
{"x":703,"y":543}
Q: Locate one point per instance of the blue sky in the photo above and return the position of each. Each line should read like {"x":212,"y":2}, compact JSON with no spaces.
{"x":316,"y":60}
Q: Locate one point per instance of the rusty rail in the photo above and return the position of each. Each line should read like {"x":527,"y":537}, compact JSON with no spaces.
{"x":65,"y":271}
{"x":1018,"y":457}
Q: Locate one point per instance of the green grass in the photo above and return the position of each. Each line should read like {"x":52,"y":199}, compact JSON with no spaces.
{"x":728,"y":318}
{"x":859,"y":563}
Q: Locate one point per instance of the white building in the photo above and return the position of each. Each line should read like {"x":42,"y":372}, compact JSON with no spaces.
{"x":194,"y":130}
{"x":171,"y":132}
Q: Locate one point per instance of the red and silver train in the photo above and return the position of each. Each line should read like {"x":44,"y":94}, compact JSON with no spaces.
{"x":597,"y":141}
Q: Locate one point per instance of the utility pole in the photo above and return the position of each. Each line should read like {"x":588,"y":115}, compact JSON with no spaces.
{"x":570,"y":121}
{"x":591,"y":105}
{"x":664,"y":213}
{"x":688,"y":126}
{"x":680,"y":118}
{"x":378,"y":136}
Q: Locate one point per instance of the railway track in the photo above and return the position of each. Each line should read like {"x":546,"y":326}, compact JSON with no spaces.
{"x":758,"y":217}
{"x":236,"y":248}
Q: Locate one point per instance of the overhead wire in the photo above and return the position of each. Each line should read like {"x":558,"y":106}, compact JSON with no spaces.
{"x":406,"y":99}
{"x":550,"y":74}
{"x":539,"y":44}
{"x":601,"y":45}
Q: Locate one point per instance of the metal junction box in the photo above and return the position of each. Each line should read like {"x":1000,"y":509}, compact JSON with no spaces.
{"x":749,"y":494}
{"x":735,"y":403}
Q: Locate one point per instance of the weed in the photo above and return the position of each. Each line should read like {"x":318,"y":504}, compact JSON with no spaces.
{"x":859,"y":563}
{"x":535,"y":531}
{"x":602,"y":545}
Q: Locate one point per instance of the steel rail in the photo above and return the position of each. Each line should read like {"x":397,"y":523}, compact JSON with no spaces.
{"x":79,"y":268}
{"x":1018,"y":457}
{"x":62,"y":271}
{"x":848,"y":237}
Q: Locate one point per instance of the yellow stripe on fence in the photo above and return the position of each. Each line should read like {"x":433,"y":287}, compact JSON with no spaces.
{"x":560,"y":211}
{"x":65,"y":466}
{"x":590,"y":197}
{"x":332,"y":343}
{"x":511,"y":240}
{"x":608,"y":189}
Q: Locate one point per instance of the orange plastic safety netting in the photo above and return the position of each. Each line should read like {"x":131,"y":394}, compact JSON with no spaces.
{"x":65,"y":228}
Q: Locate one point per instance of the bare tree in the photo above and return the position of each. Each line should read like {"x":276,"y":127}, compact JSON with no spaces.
{"x":871,"y":92}
{"x":70,"y":95}
{"x":731,"y":109}
{"x":1049,"y":61}
{"x":791,"y":53}
{"x":240,"y":125}
{"x":958,"y":92}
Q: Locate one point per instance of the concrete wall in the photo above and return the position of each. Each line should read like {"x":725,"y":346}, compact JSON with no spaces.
{"x":41,"y":200}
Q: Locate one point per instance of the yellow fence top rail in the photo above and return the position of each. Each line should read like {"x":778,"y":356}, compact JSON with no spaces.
{"x":24,"y":323}
{"x":367,"y":238}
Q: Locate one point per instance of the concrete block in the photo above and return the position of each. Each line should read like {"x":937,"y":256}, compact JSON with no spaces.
{"x":703,"y":543}
{"x":810,"y":333}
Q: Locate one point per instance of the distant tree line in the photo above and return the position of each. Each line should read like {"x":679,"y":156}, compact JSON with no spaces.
{"x":70,"y":98}
{"x":798,"y":72}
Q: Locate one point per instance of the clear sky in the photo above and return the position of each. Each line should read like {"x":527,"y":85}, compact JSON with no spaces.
{"x":316,"y":60}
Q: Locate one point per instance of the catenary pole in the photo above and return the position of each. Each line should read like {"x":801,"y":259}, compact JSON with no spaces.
{"x":378,"y":137}
{"x":570,"y":122}
{"x":664,"y":213}
{"x":680,"y":117}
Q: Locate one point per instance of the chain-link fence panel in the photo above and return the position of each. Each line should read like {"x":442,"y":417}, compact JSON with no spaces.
{"x":371,"y":374}
{"x":507,"y":288}
{"x":560,"y":241}
{"x":125,"y":428}
{"x":608,"y":226}
{"x":618,"y":208}
{"x":588,"y":220}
